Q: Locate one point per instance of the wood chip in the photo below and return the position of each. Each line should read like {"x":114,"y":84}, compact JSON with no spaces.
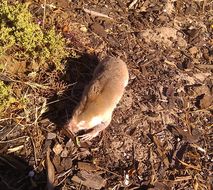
{"x":90,"y":180}
{"x":87,"y":166}
{"x":57,"y":149}
{"x":50,"y":171}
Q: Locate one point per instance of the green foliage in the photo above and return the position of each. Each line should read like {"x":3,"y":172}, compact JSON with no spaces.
{"x":5,"y":96}
{"x":25,"y":39}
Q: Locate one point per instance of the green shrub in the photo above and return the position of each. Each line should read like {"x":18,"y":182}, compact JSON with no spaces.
{"x":5,"y":96}
{"x":25,"y":39}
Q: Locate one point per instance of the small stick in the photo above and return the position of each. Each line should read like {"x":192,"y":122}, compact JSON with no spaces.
{"x":94,"y":13}
{"x":34,"y":150}
{"x":132,"y":3}
{"x":106,"y":170}
{"x":44,"y":15}
{"x":11,"y":140}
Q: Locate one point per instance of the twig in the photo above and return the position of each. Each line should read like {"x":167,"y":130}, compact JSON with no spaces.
{"x":106,"y":170}
{"x":171,"y":63}
{"x":34,"y":150}
{"x":204,"y":5}
{"x":66,"y":174}
{"x":2,"y":142}
{"x":94,"y":13}
{"x":132,"y":3}
{"x":43,"y":110}
{"x":189,"y":165}
{"x":31,"y":84}
{"x":153,"y":173}
{"x":14,"y":149}
{"x":199,"y":148}
{"x":44,"y":15}
{"x":182,"y":178}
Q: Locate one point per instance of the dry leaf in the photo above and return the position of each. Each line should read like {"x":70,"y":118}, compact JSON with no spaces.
{"x":90,"y":180}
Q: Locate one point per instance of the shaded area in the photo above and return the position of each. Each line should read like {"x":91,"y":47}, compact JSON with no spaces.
{"x":78,"y":72}
{"x":15,"y":173}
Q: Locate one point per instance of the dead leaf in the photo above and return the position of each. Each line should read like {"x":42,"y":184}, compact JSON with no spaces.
{"x":190,"y":165}
{"x":90,"y":180}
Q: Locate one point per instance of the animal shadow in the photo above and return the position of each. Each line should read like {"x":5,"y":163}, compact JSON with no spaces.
{"x":15,"y":173}
{"x":78,"y":73}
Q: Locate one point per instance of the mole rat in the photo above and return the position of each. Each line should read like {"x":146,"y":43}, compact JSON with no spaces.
{"x":100,"y":97}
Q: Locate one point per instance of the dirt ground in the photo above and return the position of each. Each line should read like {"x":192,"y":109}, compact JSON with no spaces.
{"x":160,"y":136}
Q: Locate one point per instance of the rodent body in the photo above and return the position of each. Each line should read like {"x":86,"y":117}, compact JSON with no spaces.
{"x":100,"y":97}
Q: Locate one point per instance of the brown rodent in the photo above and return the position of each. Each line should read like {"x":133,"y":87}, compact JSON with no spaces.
{"x":100,"y":98}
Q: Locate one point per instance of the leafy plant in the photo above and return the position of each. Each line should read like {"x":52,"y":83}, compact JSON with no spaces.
{"x":25,"y":39}
{"x":5,"y":96}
